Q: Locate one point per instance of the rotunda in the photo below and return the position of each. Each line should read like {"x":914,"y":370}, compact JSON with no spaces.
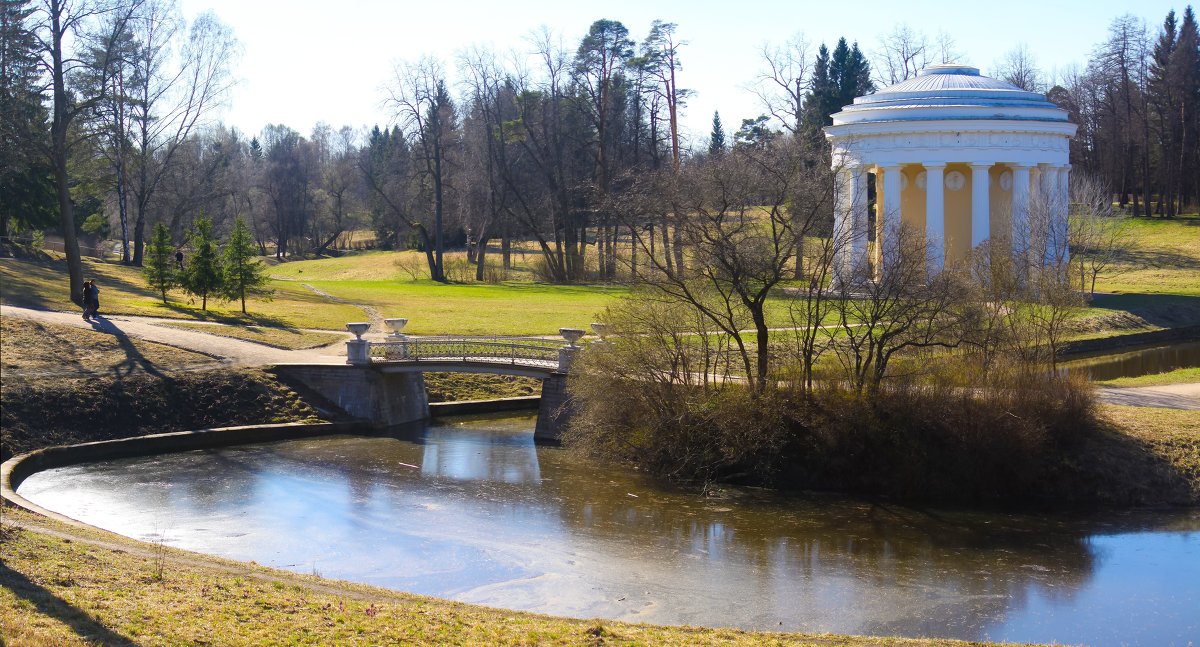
{"x":961,"y":156}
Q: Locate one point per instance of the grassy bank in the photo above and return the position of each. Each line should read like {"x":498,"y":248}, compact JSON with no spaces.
{"x":33,"y":349}
{"x":285,"y":338}
{"x":65,"y":586}
{"x":40,"y":412}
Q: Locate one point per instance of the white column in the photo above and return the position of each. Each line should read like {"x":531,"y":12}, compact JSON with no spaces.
{"x":1020,"y":209}
{"x":1062,"y":214}
{"x":860,"y":218}
{"x":935,"y":215}
{"x":981,"y":221}
{"x":890,"y":214}
{"x":843,"y":223}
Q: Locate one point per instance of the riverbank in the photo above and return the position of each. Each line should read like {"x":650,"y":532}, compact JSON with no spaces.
{"x":100,"y":588}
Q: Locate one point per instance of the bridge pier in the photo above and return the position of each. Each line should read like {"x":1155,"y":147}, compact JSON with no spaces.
{"x":554,"y":409}
{"x":385,"y":398}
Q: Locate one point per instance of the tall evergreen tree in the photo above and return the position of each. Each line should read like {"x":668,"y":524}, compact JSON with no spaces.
{"x":159,"y":268}
{"x":26,"y":191}
{"x":243,"y":273}
{"x":1185,"y":65}
{"x":716,"y":140}
{"x":202,"y":275}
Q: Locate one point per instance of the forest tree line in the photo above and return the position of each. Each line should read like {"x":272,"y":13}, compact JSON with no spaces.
{"x":107,"y":110}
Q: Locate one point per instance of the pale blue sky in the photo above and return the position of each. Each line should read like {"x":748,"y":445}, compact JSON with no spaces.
{"x":320,"y":60}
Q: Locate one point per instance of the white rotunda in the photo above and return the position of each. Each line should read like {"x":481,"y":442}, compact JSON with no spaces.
{"x":957,"y":155}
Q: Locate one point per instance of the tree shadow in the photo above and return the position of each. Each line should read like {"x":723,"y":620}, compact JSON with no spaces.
{"x":134,"y":360}
{"x":47,"y":603}
{"x":1165,"y":310}
{"x":240,"y":319}
{"x":1155,"y":258}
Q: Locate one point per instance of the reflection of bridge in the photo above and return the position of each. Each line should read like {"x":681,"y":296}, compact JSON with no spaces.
{"x":383,"y":381}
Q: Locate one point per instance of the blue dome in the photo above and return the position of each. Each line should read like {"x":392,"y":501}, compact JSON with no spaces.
{"x":952,"y":92}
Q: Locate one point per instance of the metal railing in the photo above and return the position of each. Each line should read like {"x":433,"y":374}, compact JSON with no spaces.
{"x":533,"y":353}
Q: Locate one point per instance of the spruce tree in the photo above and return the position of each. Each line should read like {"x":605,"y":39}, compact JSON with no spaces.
{"x":203,"y":275}
{"x":716,"y":141}
{"x":160,"y":262}
{"x":243,"y":274}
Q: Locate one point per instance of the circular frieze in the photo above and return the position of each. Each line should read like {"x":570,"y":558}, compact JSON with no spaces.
{"x":903,"y":182}
{"x":1006,"y":180}
{"x":955,"y":181}
{"x":921,"y":180}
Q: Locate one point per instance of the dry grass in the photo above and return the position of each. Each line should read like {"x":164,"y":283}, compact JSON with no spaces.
{"x":66,"y":586}
{"x":456,"y":387}
{"x":31,"y":349}
{"x":286,"y":338}
{"x":1166,"y":448}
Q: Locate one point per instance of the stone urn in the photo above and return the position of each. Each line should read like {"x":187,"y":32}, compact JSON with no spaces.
{"x":396,"y":325}
{"x":601,"y":329}
{"x":572,"y":335}
{"x":359,"y":328}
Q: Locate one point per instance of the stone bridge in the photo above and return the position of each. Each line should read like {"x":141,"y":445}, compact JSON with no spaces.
{"x":382,"y":380}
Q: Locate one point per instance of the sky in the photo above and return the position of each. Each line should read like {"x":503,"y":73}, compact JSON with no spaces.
{"x":309,"y":61}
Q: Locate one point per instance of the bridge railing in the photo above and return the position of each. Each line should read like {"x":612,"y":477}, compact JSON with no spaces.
{"x":536,"y":353}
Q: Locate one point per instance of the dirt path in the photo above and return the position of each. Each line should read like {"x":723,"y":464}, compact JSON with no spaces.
{"x":231,"y":351}
{"x":1168,"y":396}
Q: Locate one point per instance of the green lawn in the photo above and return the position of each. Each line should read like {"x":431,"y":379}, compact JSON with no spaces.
{"x":513,"y":308}
{"x":123,"y":290}
{"x":1164,"y":258}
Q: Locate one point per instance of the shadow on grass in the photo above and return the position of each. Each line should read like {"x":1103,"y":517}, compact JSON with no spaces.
{"x":134,"y":360}
{"x":1165,"y":310}
{"x":47,"y":603}
{"x":1155,"y":258}
{"x":240,"y":319}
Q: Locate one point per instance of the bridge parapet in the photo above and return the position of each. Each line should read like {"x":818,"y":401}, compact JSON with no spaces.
{"x":529,"y":352}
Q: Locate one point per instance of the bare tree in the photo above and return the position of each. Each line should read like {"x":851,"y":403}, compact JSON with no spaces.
{"x":904,"y":52}
{"x":1019,"y":67}
{"x":57,"y":24}
{"x":1098,"y":234}
{"x":901,"y":309}
{"x":781,"y":87}
{"x":426,"y":114}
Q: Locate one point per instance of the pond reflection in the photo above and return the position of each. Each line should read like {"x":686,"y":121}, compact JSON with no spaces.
{"x":1135,"y":363}
{"x":474,"y":511}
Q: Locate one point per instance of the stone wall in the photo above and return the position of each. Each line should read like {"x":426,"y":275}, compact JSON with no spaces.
{"x":554,"y":410}
{"x":364,"y":392}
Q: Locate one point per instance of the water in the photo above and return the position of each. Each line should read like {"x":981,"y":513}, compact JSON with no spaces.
{"x":473,"y":511}
{"x":1144,"y":361}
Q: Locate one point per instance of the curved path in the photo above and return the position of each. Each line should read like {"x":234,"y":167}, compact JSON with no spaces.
{"x":232,"y":351}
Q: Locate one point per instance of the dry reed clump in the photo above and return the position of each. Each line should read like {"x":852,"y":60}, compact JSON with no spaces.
{"x":998,"y":440}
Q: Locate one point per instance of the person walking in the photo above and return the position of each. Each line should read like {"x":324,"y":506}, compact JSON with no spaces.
{"x":86,"y":300}
{"x":92,"y":298}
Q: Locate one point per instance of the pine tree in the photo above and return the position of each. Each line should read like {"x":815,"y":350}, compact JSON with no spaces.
{"x":1185,"y":63}
{"x":203,"y":275}
{"x":716,"y":141}
{"x":160,"y":264}
{"x":243,"y":274}
{"x":26,"y":191}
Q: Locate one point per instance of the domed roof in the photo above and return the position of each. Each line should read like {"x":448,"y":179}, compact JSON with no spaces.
{"x":954,"y":92}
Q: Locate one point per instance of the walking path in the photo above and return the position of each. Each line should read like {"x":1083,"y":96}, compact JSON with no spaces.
{"x":1167,"y":396}
{"x":237,"y":352}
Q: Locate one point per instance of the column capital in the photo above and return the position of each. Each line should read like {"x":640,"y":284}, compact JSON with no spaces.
{"x":985,"y":166}
{"x":929,"y":165}
{"x":1018,"y":166}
